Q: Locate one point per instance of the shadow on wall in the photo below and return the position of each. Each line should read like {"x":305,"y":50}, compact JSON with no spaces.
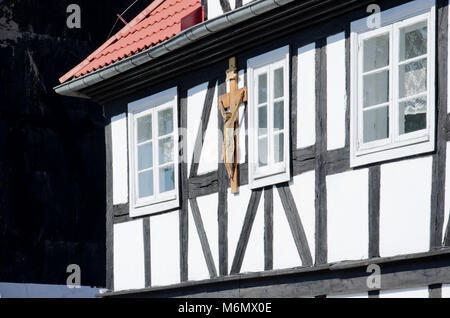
{"x":52,"y":157}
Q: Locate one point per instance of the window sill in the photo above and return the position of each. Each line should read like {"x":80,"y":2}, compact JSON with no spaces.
{"x":136,"y":211}
{"x":358,"y":160}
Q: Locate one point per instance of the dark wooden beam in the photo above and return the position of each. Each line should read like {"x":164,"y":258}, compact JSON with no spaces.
{"x":321,"y":245}
{"x":374,"y":211}
{"x":184,"y":190}
{"x":268,"y":228}
{"x":399,"y":272}
{"x":225,"y":5}
{"x":147,"y":254}
{"x":222,"y":184}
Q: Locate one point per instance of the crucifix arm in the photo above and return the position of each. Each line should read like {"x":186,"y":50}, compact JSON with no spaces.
{"x":222,"y":109}
{"x":236,"y":110}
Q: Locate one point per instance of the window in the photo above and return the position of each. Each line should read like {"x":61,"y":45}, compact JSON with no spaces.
{"x":393,"y":84}
{"x":153,"y":134}
{"x":268,"y":78}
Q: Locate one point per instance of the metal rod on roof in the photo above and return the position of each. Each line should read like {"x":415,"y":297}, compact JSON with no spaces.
{"x":122,"y":19}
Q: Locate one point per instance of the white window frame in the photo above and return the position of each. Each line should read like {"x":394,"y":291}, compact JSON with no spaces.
{"x":396,"y":146}
{"x":159,"y":202}
{"x":273,"y":173}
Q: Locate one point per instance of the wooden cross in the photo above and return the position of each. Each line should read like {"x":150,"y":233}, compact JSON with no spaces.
{"x":229,"y":107}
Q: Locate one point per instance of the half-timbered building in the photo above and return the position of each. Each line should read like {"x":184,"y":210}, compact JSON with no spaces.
{"x":276,"y":148}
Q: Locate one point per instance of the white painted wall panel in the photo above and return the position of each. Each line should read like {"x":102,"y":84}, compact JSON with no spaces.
{"x":447,"y":191}
{"x":195,"y":102}
{"x":405,"y":206}
{"x":129,"y":271}
{"x":303,"y":190}
{"x":446,"y":291}
{"x":165,"y":249}
{"x":119,"y":158}
{"x":237,"y":207}
{"x":306,"y":96}
{"x":254,"y":254}
{"x":421,"y":292}
{"x":208,"y":210}
{"x":336,"y":91}
{"x":210,"y":151}
{"x":364,"y":295}
{"x":285,"y":254}
{"x":197,"y":268}
{"x":347,"y":204}
{"x":214,"y":9}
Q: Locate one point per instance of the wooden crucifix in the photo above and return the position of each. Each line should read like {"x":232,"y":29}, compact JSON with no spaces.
{"x":229,"y":107}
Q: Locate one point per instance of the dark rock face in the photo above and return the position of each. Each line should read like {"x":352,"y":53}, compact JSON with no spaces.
{"x":52,"y":152}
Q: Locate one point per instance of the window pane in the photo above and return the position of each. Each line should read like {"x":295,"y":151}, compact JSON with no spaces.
{"x":376,"y":88}
{"x":413,"y":78}
{"x":278,"y":90}
{"x":262,"y":121}
{"x":278,"y":116}
{"x":144,"y":128}
{"x":165,"y":150}
{"x":166,"y":179}
{"x":413,"y":41}
{"x":262,"y":88}
{"x":262,"y":152}
{"x":376,"y":124}
{"x":145,"y":156}
{"x":376,"y":52}
{"x":279,"y":147}
{"x":146,"y":184}
{"x":165,"y":122}
{"x":413,"y":115}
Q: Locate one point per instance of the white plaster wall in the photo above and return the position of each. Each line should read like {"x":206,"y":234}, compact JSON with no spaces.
{"x":446,"y":291}
{"x":347,"y":205}
{"x":210,"y":152}
{"x":364,"y":295}
{"x":17,"y":290}
{"x":303,"y":190}
{"x":447,"y":191}
{"x":336,"y":91}
{"x":119,"y":158}
{"x":197,"y":268}
{"x":129,"y":271}
{"x":285,"y":253}
{"x":237,"y":207}
{"x":306,"y":96}
{"x":214,"y":8}
{"x":195,"y":102}
{"x":165,"y":249}
{"x":208,"y":210}
{"x":405,"y":206}
{"x":254,"y":254}
{"x":420,"y":292}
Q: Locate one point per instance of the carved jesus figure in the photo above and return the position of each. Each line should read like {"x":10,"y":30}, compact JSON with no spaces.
{"x":229,"y":119}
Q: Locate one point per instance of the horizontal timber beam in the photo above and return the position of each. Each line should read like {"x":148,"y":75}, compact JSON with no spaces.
{"x":399,"y":272}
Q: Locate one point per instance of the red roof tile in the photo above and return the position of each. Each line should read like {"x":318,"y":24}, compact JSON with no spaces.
{"x":160,"y":21}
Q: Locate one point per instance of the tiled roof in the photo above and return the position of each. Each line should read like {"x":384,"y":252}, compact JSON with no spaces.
{"x":160,"y":21}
